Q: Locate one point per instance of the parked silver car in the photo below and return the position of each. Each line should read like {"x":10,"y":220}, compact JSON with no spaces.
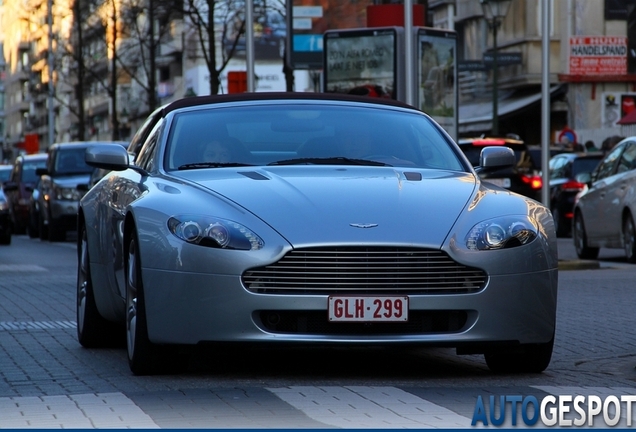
{"x":311,"y":219}
{"x":605,"y":211}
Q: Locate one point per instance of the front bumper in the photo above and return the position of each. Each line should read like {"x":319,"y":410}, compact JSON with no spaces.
{"x":189,"y":308}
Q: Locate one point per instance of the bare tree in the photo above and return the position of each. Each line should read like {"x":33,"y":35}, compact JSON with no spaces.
{"x":221,"y":23}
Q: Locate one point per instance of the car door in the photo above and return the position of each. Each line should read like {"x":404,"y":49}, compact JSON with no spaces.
{"x":124,"y":189}
{"x":597,"y":201}
{"x":620,"y":189}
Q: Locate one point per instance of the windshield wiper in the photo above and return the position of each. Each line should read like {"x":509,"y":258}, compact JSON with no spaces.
{"x":212,"y":165}
{"x":329,"y":161}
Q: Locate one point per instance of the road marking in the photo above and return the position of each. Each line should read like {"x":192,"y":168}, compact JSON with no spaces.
{"x":369,"y":407}
{"x":80,"y":411}
{"x":37,"y":325}
{"x":21,"y":268}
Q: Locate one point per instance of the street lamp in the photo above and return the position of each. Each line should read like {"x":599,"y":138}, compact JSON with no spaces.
{"x":494,"y":12}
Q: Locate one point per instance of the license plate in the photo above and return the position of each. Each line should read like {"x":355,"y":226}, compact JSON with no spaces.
{"x":368,"y":308}
{"x":501,"y":182}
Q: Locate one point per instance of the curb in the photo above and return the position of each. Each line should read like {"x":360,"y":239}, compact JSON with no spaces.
{"x":579,"y":265}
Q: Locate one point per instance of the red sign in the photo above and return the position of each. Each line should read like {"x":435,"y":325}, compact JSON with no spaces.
{"x":598,"y":55}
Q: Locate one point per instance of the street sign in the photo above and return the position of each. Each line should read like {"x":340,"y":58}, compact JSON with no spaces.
{"x":503,"y":59}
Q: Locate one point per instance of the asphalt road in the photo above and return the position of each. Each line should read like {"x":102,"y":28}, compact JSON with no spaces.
{"x":47,"y":380}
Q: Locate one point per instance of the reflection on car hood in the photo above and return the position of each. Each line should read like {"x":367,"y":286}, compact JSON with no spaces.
{"x":70,"y":180}
{"x":320,"y":204}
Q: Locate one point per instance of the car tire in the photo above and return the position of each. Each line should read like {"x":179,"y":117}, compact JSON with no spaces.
{"x":93,"y":330}
{"x":32,"y":225}
{"x":56,"y":231}
{"x":144,"y":357}
{"x":559,"y":225}
{"x":530,"y":358}
{"x":629,"y":238}
{"x":580,"y":239}
{"x":5,"y":239}
{"x":42,"y":228}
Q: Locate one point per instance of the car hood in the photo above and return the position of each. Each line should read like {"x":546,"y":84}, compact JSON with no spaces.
{"x":311,"y":205}
{"x":70,"y":180}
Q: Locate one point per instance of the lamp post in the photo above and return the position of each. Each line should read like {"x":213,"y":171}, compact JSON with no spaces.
{"x":494,"y":13}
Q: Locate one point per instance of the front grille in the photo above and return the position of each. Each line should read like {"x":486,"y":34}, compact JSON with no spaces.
{"x":365,"y":270}
{"x":316,"y":322}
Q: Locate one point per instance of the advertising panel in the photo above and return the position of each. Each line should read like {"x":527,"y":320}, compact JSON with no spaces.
{"x":309,"y":19}
{"x":598,"y":55}
{"x":616,"y":105}
{"x":437,"y":90}
{"x":362,"y":61}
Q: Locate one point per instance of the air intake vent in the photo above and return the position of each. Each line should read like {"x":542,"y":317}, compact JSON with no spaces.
{"x":365,"y":270}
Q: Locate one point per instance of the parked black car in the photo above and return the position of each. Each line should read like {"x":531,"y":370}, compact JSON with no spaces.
{"x":564,"y":187}
{"x":58,"y":195}
{"x":19,"y":187}
{"x":523,"y":178}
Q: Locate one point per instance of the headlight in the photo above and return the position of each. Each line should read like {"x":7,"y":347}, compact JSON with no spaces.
{"x":214,"y":232}
{"x":501,"y":233}
{"x":68,"y":194}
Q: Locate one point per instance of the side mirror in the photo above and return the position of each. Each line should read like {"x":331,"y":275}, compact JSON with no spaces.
{"x":584,"y":177}
{"x":493,"y":158}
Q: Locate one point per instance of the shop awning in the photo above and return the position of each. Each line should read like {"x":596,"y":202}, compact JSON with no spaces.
{"x":477,"y":116}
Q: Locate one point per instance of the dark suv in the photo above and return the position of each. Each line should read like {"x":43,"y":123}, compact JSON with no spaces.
{"x":57,"y":194}
{"x":19,"y":187}
{"x":523,"y":178}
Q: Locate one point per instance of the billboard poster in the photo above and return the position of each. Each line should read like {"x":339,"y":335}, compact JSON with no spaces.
{"x":361,"y":62}
{"x":616,"y":105}
{"x":437,"y":92}
{"x":309,"y":19}
{"x":598,"y":55}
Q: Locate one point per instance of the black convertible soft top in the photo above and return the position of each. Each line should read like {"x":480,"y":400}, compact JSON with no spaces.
{"x":242,"y":97}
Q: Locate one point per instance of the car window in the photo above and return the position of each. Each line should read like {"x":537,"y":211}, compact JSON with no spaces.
{"x":628,"y":159}
{"x":265,"y":134}
{"x":146,"y":156}
{"x":557,"y":167}
{"x":583,"y":165}
{"x":28,"y":168}
{"x":142,"y":133}
{"x":5,"y":173}
{"x":71,"y":161}
{"x":606,"y":167}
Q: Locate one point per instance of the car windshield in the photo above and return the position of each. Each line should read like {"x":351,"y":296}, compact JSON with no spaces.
{"x":71,"y":161}
{"x":28,"y":171}
{"x":583,"y":165}
{"x":299,"y":134}
{"x":5,"y":173}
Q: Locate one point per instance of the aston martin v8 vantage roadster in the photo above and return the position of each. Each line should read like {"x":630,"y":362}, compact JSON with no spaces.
{"x":300,"y":218}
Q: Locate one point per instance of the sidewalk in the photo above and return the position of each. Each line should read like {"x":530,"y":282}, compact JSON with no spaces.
{"x":607,"y":258}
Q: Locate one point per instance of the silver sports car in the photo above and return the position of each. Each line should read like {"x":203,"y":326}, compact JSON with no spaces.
{"x":310,"y":219}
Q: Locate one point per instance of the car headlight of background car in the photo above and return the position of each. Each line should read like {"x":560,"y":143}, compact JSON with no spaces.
{"x":501,"y":233}
{"x":214,"y":232}
{"x":66,"y":193}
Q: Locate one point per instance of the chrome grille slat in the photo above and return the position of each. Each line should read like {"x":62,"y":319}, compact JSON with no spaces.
{"x":365,"y":269}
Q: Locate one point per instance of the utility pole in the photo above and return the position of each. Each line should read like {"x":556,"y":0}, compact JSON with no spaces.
{"x":51,"y":89}
{"x":113,"y":78}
